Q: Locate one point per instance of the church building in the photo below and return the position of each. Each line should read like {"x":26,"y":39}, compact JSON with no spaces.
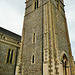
{"x":9,"y":51}
{"x":44,"y":48}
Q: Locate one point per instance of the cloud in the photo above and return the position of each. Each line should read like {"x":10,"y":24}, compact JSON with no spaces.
{"x":11,"y":15}
{"x":70,"y":15}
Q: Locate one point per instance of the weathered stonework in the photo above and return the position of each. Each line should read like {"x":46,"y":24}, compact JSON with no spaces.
{"x":45,"y":47}
{"x":51,"y":49}
{"x":8,"y":42}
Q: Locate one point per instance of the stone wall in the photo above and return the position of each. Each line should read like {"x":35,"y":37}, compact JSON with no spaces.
{"x":48,"y":22}
{"x":7,"y":42}
{"x":33,"y":24}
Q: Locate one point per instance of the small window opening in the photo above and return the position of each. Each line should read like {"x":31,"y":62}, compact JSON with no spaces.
{"x":33,"y":59}
{"x":35,"y":5}
{"x":8,"y":56}
{"x":11,"y":56}
{"x":34,"y":37}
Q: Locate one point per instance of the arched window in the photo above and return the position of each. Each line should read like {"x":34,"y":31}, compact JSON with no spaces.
{"x":8,"y":56}
{"x":34,"y":38}
{"x":33,"y":59}
{"x":65,"y":65}
{"x":11,"y":56}
{"x":35,"y":4}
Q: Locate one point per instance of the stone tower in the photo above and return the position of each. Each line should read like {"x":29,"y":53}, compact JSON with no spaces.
{"x":45,"y":42}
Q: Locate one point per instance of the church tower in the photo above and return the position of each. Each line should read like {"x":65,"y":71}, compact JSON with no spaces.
{"x":45,"y":42}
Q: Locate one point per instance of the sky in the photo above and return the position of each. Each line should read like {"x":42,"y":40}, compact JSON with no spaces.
{"x":12,"y":16}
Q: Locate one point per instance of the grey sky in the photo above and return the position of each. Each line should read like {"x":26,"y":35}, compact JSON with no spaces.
{"x":70,"y":15}
{"x":12,"y":15}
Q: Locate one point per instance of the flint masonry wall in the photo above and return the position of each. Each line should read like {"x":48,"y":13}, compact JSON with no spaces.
{"x":33,"y":24}
{"x":55,"y":37}
{"x":7,"y":42}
